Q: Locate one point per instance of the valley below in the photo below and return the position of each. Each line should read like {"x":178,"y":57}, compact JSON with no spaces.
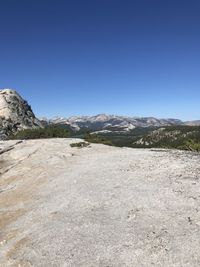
{"x":98,"y":205}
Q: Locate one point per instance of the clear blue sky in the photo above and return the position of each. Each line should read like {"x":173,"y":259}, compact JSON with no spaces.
{"x":127,"y":57}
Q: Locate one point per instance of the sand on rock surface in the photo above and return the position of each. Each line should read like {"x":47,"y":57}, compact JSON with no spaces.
{"x":98,"y":205}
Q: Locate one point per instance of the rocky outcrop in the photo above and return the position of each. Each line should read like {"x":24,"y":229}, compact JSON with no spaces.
{"x":15,"y":114}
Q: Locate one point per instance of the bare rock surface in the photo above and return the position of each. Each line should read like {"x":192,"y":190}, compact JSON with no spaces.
{"x":98,"y":206}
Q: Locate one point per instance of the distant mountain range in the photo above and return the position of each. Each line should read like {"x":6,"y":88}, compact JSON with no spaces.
{"x":16,"y":114}
{"x":192,"y":123}
{"x":113,"y":123}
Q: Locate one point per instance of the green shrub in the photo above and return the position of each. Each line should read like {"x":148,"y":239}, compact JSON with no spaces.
{"x":79,"y":144}
{"x":191,"y":145}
